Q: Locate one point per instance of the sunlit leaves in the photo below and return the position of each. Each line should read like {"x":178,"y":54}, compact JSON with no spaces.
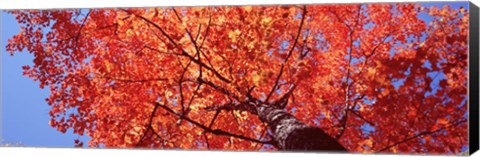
{"x":394,"y":74}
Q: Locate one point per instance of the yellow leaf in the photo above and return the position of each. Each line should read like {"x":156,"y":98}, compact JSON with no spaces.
{"x":240,"y":114}
{"x":221,"y":19}
{"x":256,"y":79}
{"x":328,"y":115}
{"x":371,"y":72}
{"x":108,"y":65}
{"x":247,"y":8}
{"x":443,"y":121}
{"x":394,"y":150}
{"x":193,"y":107}
{"x":128,"y":139}
{"x":266,"y":21}
{"x":369,"y":143}
{"x":422,"y":44}
{"x":251,"y":45}
{"x":120,"y":22}
{"x":129,"y":33}
{"x":233,"y":34}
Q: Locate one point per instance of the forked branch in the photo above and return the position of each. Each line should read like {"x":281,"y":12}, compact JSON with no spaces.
{"x":207,"y":129}
{"x":299,"y":31}
{"x":184,"y":53}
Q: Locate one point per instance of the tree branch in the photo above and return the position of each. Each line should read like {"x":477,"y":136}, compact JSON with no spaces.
{"x":81,"y":26}
{"x":214,"y":131}
{"x":361,"y":117}
{"x":206,"y":140}
{"x":184,"y":53}
{"x":276,"y":83}
{"x":132,"y":80}
{"x":218,"y":88}
{"x":425,"y":133}
{"x":180,"y":82}
{"x":233,"y":106}
{"x":149,"y":125}
{"x":213,"y":119}
{"x":299,"y":31}
{"x":188,"y":32}
{"x":344,"y":119}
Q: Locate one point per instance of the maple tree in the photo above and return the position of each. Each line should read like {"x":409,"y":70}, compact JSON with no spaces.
{"x":357,"y":77}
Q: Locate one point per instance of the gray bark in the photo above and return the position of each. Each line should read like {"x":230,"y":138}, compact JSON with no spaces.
{"x":290,"y":133}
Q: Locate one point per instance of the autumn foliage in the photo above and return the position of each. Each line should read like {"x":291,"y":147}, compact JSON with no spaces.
{"x":375,"y":77}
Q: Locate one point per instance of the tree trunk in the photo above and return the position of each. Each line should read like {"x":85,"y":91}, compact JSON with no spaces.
{"x":292,"y":134}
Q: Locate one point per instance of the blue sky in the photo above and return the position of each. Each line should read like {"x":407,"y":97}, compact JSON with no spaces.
{"x":24,"y":116}
{"x":24,"y":109}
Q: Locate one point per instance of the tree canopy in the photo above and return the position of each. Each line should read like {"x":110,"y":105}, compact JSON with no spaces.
{"x":373,"y":77}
